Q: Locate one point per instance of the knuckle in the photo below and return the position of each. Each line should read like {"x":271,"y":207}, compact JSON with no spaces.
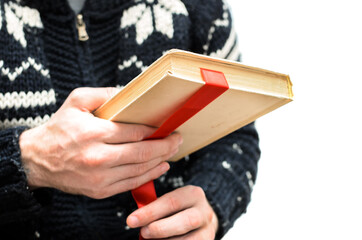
{"x":87,"y":132}
{"x":137,"y":134}
{"x":148,"y":213}
{"x":193,"y":220}
{"x":144,"y":153}
{"x":174,"y":203}
{"x":125,"y":153}
{"x":88,"y":160}
{"x":81,"y":135}
{"x":197,"y":191}
{"x":140,"y":169}
{"x":134,"y":183}
{"x":93,"y":157}
{"x":76,"y":94}
{"x":157,"y":229}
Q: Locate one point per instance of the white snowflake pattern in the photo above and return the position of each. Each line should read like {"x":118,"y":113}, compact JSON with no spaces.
{"x":237,"y":148}
{"x":17,"y":17}
{"x":152,"y":15}
{"x":250,"y":179}
{"x":176,"y":182}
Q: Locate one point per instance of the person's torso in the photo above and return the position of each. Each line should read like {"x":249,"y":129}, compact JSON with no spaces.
{"x":43,"y":58}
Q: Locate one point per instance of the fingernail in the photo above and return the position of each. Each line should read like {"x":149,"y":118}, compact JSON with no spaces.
{"x":165,"y":166}
{"x":145,"y":232}
{"x":133,"y":221}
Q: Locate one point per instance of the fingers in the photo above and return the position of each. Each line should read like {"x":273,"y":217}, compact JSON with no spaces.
{"x":204,"y":233}
{"x":113,"y":132}
{"x":181,"y":214}
{"x":175,"y":225}
{"x":143,"y":151}
{"x":133,"y":170}
{"x":135,"y":182}
{"x":89,"y":99}
{"x":166,"y":205}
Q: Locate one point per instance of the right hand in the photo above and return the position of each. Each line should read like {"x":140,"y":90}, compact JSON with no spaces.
{"x":78,"y":153}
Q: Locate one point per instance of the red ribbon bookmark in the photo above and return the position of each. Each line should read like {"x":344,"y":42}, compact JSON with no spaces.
{"x":215,"y":85}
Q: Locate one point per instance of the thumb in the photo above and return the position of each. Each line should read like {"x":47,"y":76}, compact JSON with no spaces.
{"x":88,"y":99}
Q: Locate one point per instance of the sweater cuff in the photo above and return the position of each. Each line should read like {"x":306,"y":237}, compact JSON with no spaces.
{"x":16,"y":200}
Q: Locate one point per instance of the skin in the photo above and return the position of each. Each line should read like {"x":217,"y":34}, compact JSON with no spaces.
{"x":181,"y":214}
{"x":81,"y":154}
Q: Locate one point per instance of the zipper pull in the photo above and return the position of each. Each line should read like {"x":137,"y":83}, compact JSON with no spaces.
{"x":82,"y":31}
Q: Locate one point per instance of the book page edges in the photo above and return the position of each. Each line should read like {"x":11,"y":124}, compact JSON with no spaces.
{"x":168,"y":64}
{"x":239,"y":76}
{"x":184,"y":54}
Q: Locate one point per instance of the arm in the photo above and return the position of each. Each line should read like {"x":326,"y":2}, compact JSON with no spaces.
{"x":81,"y":154}
{"x":78,"y":153}
{"x":16,"y":201}
{"x":225,"y":170}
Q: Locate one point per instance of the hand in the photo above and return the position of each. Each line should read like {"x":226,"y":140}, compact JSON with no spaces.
{"x":81,"y":154}
{"x":183,"y":213}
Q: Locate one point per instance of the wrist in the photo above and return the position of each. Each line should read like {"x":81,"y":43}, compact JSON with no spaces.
{"x":28,"y":148}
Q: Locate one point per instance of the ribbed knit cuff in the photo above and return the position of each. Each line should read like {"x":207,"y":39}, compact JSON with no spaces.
{"x":16,"y":201}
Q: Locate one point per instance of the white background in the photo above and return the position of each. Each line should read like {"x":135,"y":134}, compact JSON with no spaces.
{"x":309,"y":184}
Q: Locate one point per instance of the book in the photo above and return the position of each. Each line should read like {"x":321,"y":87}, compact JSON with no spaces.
{"x":154,"y":95}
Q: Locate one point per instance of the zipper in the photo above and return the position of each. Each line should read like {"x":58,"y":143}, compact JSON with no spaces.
{"x":82,"y":31}
{"x":84,"y":54}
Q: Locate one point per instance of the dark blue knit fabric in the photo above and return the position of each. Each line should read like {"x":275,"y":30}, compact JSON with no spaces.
{"x":42,"y":61}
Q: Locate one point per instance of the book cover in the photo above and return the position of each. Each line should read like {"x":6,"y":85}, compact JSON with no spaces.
{"x":166,"y":85}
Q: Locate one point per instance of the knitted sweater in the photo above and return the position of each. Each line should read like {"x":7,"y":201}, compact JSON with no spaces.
{"x":42,"y":61}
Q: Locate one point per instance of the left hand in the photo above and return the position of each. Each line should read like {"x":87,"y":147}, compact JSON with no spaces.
{"x":180,"y":214}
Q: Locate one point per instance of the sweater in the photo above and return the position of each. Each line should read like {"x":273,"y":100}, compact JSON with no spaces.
{"x":42,"y":60}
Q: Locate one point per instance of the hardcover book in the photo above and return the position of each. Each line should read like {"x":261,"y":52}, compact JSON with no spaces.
{"x":167,"y":85}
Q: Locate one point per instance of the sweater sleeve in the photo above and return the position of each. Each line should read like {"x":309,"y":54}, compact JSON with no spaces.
{"x":226,"y":169}
{"x":17,"y":202}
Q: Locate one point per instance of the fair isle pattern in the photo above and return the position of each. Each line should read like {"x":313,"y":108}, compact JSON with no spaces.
{"x":149,"y":17}
{"x":17,"y":17}
{"x":41,"y":63}
{"x":29,"y":62}
{"x":25,"y":100}
{"x":128,"y":63}
{"x":29,"y":122}
{"x":230,"y":49}
{"x":250,"y":179}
